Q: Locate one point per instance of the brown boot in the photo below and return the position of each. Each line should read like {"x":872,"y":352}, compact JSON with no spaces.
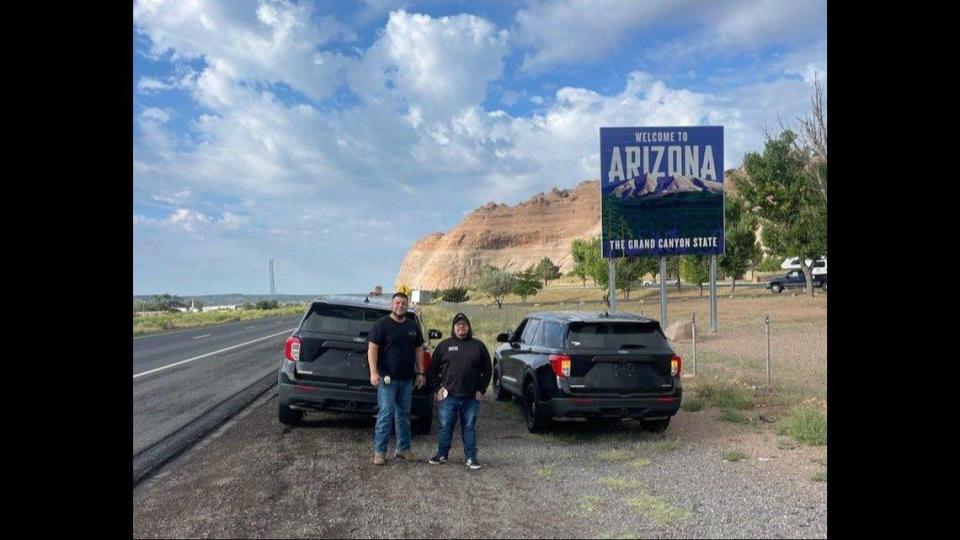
{"x":406,"y":455}
{"x":379,"y":458}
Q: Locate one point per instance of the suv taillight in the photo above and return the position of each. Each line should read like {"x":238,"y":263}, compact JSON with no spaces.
{"x":561,"y":364}
{"x":291,"y":350}
{"x":676,"y":363}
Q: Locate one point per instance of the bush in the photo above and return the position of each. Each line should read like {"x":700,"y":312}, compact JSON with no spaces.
{"x":454,"y":294}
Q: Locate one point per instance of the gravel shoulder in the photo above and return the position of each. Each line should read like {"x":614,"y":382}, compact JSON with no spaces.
{"x":257,"y":478}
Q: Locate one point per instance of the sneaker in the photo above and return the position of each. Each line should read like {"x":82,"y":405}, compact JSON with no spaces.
{"x":406,"y":455}
{"x":438,"y":460}
{"x":379,"y":458}
{"x":473,"y":463}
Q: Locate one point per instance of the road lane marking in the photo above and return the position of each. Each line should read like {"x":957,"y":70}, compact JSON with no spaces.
{"x":205,"y":335}
{"x":210,"y":353}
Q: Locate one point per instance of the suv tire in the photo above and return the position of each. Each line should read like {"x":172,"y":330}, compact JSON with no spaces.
{"x":499,"y":394}
{"x":288,"y":416}
{"x":533,"y":413}
{"x":655,"y":426}
{"x":777,"y":288}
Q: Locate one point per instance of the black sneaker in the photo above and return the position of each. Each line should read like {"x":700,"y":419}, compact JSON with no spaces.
{"x":473,"y":463}
{"x":438,"y":460}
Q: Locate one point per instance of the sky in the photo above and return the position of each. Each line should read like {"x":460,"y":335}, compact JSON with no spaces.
{"x":329,"y":136}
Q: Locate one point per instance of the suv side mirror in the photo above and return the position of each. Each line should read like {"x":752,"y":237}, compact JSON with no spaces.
{"x":503,"y":337}
{"x":435,"y":334}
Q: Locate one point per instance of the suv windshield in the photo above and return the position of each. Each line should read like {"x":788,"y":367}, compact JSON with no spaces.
{"x":614,"y":335}
{"x":348,"y":320}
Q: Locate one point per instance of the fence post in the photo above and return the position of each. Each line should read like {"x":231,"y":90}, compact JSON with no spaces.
{"x":694,"y":323}
{"x":766,"y":329}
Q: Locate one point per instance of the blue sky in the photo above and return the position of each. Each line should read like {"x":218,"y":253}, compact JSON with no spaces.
{"x":330,"y":136}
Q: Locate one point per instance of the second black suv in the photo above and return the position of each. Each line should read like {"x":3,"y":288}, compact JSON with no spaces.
{"x":325,"y":367}
{"x":575,"y":364}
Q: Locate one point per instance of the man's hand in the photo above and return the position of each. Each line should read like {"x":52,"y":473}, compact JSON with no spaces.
{"x":479,"y":395}
{"x":375,"y":379}
{"x":421,"y":380}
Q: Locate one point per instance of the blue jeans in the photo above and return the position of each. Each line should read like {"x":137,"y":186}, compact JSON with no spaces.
{"x":464,"y":409}
{"x":394,"y":400}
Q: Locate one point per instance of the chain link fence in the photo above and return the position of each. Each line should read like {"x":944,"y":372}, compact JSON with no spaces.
{"x":780,"y":342}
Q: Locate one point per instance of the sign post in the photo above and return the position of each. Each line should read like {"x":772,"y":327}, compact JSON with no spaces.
{"x":661,"y":194}
{"x":612,"y":281}
{"x":713,"y":293}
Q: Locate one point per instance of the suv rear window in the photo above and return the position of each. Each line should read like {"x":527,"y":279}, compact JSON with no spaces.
{"x":347,"y":320}
{"x":614,"y":335}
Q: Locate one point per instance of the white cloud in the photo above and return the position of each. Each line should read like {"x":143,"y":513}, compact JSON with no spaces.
{"x":442,"y":65}
{"x":154,"y":114}
{"x":570,"y":31}
{"x":275,"y":43}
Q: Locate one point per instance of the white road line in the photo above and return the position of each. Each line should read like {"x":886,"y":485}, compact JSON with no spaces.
{"x":205,"y":335}
{"x":210,"y":354}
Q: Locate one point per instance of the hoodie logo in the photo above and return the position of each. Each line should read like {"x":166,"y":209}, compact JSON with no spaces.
{"x":454,"y":348}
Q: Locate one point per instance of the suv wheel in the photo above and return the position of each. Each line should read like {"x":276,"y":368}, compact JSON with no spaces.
{"x":288,"y":416}
{"x":655,"y":426}
{"x":422,"y":424}
{"x":824,"y":286}
{"x":777,"y":288}
{"x":499,"y":394}
{"x":536,"y":421}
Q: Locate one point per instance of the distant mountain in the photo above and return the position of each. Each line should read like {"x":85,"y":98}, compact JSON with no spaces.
{"x":648,"y":186}
{"x":234,"y":298}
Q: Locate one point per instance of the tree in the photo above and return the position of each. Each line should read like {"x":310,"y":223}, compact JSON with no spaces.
{"x":695,"y":269}
{"x":168,"y":302}
{"x":791,"y":209}
{"x":495,"y":283}
{"x":267,"y":304}
{"x":546,"y":270}
{"x":628,"y":269}
{"x":673,"y":269}
{"x":527,"y":283}
{"x":579,"y":249}
{"x":454,"y":294}
{"x":740,"y":247}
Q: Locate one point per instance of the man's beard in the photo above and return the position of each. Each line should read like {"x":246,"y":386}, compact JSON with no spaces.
{"x":400,"y":315}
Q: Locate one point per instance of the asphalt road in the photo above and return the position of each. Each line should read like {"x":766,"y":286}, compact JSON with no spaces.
{"x":180,"y":375}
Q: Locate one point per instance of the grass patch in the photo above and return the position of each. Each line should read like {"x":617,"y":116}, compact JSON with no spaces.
{"x":659,"y":511}
{"x":619,"y":535}
{"x":725,"y":396}
{"x":621,"y":483}
{"x":665,"y":445}
{"x":591,"y":503}
{"x":616,"y":455}
{"x":737,"y":417}
{"x":806,"y":425}
{"x":693,"y":405}
{"x":734,"y":456}
{"x":820,"y":476}
{"x":786,"y":444}
{"x":152,"y":324}
{"x":544,"y":472}
{"x":640,"y":462}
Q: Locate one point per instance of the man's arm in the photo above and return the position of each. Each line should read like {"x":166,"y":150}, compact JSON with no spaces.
{"x":421,"y":376}
{"x":372,"y":351}
{"x":486,"y":371}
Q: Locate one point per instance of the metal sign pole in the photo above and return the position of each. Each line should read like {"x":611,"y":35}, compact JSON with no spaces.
{"x":612,"y":282}
{"x":713,"y":293}
{"x":663,"y":293}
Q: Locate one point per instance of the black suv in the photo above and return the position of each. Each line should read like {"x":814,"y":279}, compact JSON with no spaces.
{"x":574,"y":364}
{"x":795,"y":280}
{"x":325,"y":368}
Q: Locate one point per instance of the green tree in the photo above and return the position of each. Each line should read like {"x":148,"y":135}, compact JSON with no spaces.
{"x":740,"y":247}
{"x":628,"y":269}
{"x":168,"y":302}
{"x":695,"y":269}
{"x":673,"y":269}
{"x":527,"y":283}
{"x":793,"y":211}
{"x":267,"y":304}
{"x":546,"y":270}
{"x":454,"y":294}
{"x":579,"y":249}
{"x":495,"y":283}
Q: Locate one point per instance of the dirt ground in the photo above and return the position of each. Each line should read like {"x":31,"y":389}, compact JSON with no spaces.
{"x":257,"y":478}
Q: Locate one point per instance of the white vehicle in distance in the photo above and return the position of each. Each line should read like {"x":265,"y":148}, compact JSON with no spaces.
{"x":793,"y":263}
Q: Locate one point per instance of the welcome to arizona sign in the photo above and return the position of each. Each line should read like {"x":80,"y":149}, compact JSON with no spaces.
{"x":661,"y":190}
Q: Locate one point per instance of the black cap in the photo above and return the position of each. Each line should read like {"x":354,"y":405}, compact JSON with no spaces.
{"x":460,"y":317}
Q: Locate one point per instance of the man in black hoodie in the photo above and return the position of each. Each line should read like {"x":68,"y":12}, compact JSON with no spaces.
{"x":459,"y":375}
